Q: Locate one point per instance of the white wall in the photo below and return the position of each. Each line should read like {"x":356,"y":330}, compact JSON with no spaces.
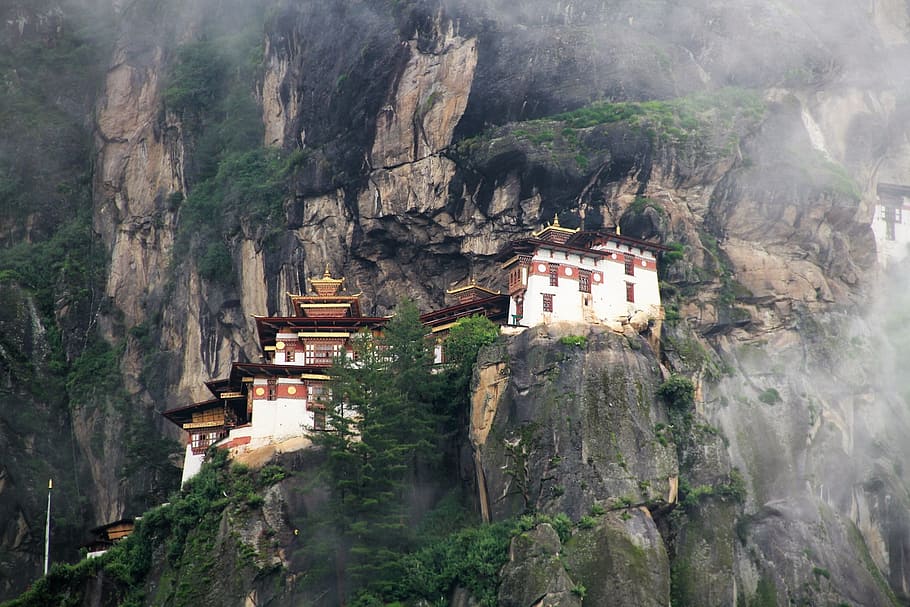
{"x":891,"y":251}
{"x":192,"y":463}
{"x":607,"y":299}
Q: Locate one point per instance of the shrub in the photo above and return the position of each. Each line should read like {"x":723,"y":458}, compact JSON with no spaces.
{"x":678,"y":392}
{"x":586,"y":522}
{"x":579,"y":341}
{"x":770,"y":396}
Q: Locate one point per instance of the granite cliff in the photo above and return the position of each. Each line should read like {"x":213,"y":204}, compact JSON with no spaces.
{"x":402,"y":143}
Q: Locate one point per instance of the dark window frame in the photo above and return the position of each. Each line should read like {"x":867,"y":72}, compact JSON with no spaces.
{"x":547,"y":302}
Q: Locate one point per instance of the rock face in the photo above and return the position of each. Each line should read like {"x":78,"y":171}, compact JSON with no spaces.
{"x":534,"y":574}
{"x":417,"y":156}
{"x":559,"y":427}
{"x":37,"y":444}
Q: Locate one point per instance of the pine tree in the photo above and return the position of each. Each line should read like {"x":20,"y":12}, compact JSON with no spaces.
{"x":380,"y":434}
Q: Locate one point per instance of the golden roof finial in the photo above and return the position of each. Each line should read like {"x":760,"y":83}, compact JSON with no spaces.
{"x":326,"y":286}
{"x":618,"y":232}
{"x":550,"y":228}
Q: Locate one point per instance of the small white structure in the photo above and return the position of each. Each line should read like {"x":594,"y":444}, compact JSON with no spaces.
{"x":561,"y":274}
{"x":891,"y":223}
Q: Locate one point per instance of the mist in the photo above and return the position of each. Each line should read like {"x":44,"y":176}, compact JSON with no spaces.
{"x":802,"y":361}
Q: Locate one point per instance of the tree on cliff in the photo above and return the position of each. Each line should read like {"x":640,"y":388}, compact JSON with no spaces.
{"x":381,"y":430}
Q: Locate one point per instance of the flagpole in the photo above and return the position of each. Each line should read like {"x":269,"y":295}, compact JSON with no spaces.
{"x":47,"y":528}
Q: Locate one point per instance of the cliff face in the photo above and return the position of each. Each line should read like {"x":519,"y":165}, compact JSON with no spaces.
{"x":421,"y":139}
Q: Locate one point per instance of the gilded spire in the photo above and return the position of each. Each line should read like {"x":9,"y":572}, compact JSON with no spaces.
{"x":549,"y":230}
{"x":326,"y":286}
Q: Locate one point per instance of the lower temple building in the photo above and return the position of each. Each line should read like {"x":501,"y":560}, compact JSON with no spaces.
{"x":282,"y":398}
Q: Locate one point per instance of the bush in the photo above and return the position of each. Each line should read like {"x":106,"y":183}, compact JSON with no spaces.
{"x":770,"y":397}
{"x":579,"y":341}
{"x":678,"y":392}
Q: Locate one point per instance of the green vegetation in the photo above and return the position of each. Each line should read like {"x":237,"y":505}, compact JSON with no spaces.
{"x":676,"y":253}
{"x":734,"y":489}
{"x":641,"y":203}
{"x":373,"y":458}
{"x":248,"y":185}
{"x":576,"y":341}
{"x":678,"y":392}
{"x":47,"y":85}
{"x":765,"y":594}
{"x":195,"y":84}
{"x":770,"y":396}
{"x":186,"y":529}
{"x":372,"y":455}
{"x":64,"y":270}
{"x":464,"y":341}
{"x":232,"y":178}
{"x":709,"y":122}
{"x":676,"y":119}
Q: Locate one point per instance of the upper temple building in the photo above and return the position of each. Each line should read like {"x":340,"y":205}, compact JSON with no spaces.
{"x":560,"y":274}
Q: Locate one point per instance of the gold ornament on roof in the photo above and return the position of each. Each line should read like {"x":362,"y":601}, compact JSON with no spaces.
{"x":553,"y":227}
{"x":326,"y":286}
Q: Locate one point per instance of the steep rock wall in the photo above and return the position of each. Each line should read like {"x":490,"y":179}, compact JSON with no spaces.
{"x":775,"y":244}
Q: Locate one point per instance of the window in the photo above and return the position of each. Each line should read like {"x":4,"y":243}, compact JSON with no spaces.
{"x":889,"y":230}
{"x":289,"y":355}
{"x":201,"y":441}
{"x":322,"y":352}
{"x":584,"y":281}
{"x":273,"y":389}
{"x":547,"y":302}
{"x":897,"y":215}
{"x":630,"y":292}
{"x":515,"y":277}
{"x":630,"y":264}
{"x":882,"y":213}
{"x":318,"y":393}
{"x":554,"y":275}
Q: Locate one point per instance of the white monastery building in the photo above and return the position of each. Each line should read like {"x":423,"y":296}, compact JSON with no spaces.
{"x":561,"y":274}
{"x":891,"y":223}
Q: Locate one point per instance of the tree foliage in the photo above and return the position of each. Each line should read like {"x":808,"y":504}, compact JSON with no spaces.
{"x":678,"y":392}
{"x":380,"y":438}
{"x":464,"y":341}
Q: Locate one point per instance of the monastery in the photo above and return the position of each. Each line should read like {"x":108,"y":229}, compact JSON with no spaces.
{"x":557,"y":274}
{"x":892,"y":233}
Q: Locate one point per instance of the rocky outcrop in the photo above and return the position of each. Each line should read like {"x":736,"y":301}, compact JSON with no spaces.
{"x":427,"y":103}
{"x":535,"y":575}
{"x":619,"y":559}
{"x":568,"y":419}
